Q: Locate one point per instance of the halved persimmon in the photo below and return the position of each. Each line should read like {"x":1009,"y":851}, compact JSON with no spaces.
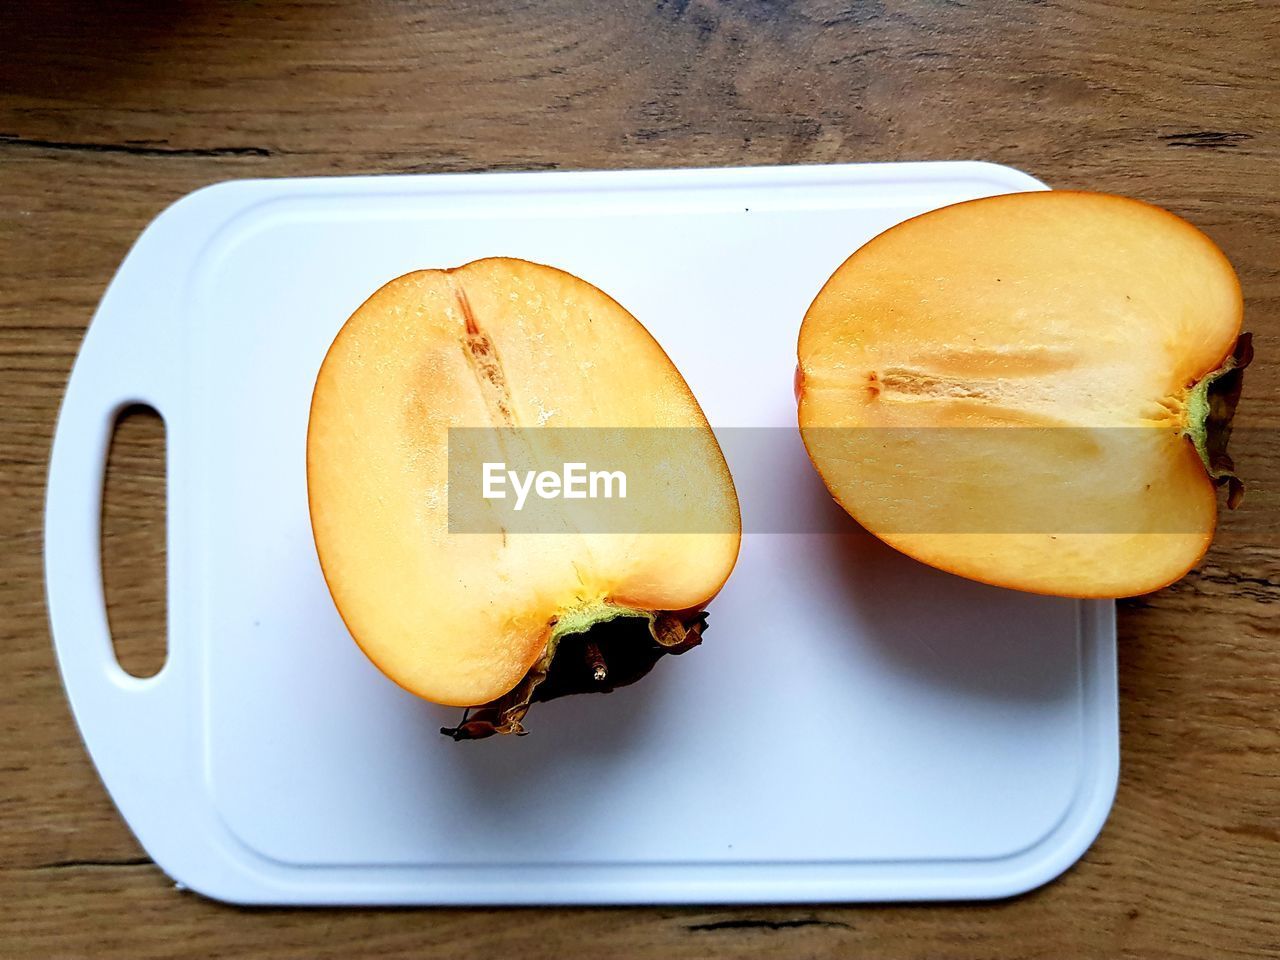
{"x":1031,"y":390}
{"x":528,"y":358}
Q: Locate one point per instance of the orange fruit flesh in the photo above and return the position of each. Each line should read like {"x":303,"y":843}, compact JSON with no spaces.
{"x":459,"y":618}
{"x":1085,"y":320}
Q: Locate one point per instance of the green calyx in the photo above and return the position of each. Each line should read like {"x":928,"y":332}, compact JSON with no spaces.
{"x":1210,"y":409}
{"x":581,"y":619}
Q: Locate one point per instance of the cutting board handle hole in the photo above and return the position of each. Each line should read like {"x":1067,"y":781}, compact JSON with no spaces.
{"x":134,"y":534}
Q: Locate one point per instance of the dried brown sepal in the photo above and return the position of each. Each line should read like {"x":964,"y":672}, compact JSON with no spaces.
{"x":627,"y":646}
{"x":1216,"y":408}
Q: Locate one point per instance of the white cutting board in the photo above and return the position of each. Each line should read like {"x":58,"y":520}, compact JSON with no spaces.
{"x":855,"y":726}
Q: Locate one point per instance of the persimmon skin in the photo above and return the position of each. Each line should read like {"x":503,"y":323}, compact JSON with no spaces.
{"x":1041,"y":310}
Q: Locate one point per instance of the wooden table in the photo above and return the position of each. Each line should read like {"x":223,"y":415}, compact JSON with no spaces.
{"x":108,"y":112}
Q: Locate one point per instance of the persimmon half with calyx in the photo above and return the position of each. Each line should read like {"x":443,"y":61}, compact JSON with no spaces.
{"x":1032,"y":390}
{"x":490,"y":618}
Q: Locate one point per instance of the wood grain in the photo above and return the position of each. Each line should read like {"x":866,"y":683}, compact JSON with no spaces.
{"x":110,"y":111}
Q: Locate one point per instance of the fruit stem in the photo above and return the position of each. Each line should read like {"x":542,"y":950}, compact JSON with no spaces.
{"x":595,"y":660}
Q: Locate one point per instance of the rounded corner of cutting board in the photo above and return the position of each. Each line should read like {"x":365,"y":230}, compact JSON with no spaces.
{"x":199,"y":213}
{"x":1004,"y":175}
{"x":220,"y":872}
{"x":209,"y":194}
{"x":1062,"y":848}
{"x":1054,"y":864}
{"x":206,"y":888}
